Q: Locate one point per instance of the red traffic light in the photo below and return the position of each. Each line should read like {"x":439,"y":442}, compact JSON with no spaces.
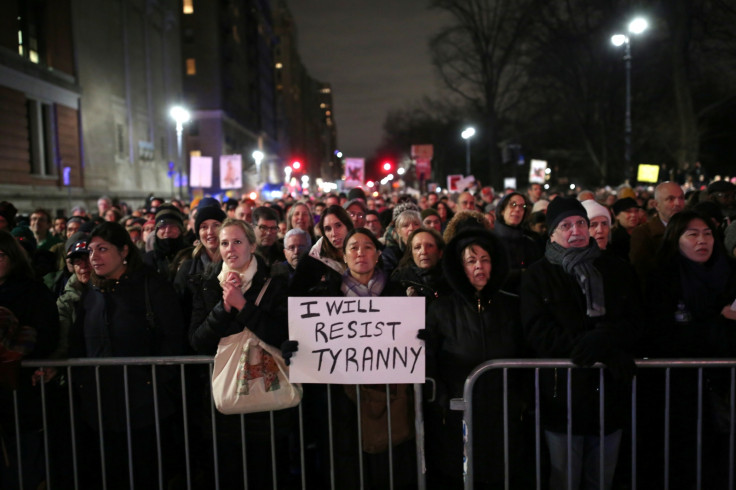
{"x":296,"y":165}
{"x":387,"y":166}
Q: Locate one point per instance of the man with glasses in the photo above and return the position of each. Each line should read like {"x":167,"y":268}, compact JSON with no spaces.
{"x":266,"y":226}
{"x":580,"y":304}
{"x":357,"y":210}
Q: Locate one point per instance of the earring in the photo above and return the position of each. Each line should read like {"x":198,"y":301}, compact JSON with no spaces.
{"x":125,"y":261}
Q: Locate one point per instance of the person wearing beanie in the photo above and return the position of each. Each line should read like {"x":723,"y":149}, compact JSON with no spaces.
{"x":722,"y":193}
{"x":168,"y":241}
{"x":626,"y":214}
{"x":207,"y":224}
{"x":580,"y":304}
{"x":356,"y":193}
{"x":356,"y":208}
{"x":431,"y":219}
{"x":600,"y":222}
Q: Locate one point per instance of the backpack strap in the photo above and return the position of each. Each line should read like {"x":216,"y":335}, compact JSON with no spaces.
{"x":263,"y":291}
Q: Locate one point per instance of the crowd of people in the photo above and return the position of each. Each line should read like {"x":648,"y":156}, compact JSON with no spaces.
{"x":598,"y":277}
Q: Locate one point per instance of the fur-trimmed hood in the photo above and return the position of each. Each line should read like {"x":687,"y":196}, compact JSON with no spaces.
{"x":452,"y":264}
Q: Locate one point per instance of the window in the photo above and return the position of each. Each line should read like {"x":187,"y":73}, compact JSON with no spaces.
{"x":191,"y":66}
{"x":28,"y":35}
{"x":42,"y":137}
{"x":188,"y":7}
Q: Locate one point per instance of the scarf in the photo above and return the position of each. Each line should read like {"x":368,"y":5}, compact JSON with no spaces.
{"x":579,"y":263}
{"x":316,"y":253}
{"x":352,"y":287}
{"x":703,"y":285}
{"x":246,"y":276}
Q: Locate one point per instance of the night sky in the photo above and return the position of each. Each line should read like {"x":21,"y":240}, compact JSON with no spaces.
{"x":375,"y":53}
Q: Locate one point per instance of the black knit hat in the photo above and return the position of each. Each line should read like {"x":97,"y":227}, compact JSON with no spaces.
{"x":356,"y":193}
{"x":208,"y":212}
{"x":8,"y":211}
{"x":623,"y":204}
{"x":168,"y":212}
{"x":564,"y":207}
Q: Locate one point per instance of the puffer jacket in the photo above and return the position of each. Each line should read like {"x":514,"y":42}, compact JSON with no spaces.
{"x":465,"y":329}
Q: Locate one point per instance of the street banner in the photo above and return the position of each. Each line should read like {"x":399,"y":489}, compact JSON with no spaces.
{"x":354,"y":172}
{"x":200,"y":172}
{"x":422,"y":155}
{"x":231,"y":172}
{"x":537,"y":170}
{"x":452,"y":181}
{"x":351,"y":340}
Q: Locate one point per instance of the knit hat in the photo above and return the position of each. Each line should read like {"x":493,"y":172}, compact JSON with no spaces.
{"x":167,"y":213}
{"x":405,"y":206}
{"x":595,"y":210}
{"x":730,"y":239}
{"x":624,"y":204}
{"x":564,"y":207}
{"x":208,"y":212}
{"x":356,"y":193}
{"x":25,"y":237}
{"x":208,"y":201}
{"x":625,"y":192}
{"x":8,"y":211}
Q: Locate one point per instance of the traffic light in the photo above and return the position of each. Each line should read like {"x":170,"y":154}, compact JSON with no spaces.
{"x":296,"y":165}
{"x":387,"y":166}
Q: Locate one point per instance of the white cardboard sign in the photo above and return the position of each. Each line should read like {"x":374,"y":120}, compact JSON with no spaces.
{"x":349,"y":340}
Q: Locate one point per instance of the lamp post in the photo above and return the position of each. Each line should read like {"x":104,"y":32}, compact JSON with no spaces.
{"x":636,"y":26}
{"x":258,"y":157}
{"x":466,"y":135}
{"x":180,"y":115}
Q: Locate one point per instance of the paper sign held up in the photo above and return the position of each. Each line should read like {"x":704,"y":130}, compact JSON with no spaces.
{"x":349,"y":340}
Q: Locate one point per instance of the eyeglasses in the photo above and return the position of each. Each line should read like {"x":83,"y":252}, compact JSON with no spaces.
{"x":268,"y":229}
{"x":356,"y":215}
{"x":567,"y":226}
{"x":514,"y":204}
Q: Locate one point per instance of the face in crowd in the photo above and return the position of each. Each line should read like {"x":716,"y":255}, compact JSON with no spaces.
{"x":267,"y":231}
{"x":477,"y":266}
{"x":513,"y":213}
{"x":235,"y":247}
{"x":425,"y":251}
{"x":361,"y":256}
{"x":696,"y":243}
{"x":107,"y":260}
{"x":571,"y":232}
{"x":600,"y":230}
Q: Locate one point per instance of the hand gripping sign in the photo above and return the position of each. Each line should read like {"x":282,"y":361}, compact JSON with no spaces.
{"x":347,"y":340}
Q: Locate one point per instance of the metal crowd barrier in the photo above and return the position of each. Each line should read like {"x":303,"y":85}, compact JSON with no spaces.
{"x":67,"y":368}
{"x":465,"y":405}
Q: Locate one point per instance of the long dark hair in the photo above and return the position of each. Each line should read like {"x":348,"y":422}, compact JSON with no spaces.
{"x":670,"y":247}
{"x":20,"y":265}
{"x":408,"y":258}
{"x":116,"y":234}
{"x":327,"y":249}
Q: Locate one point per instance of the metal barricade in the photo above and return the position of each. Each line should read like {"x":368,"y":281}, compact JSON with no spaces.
{"x":697,"y":425}
{"x":300,"y":474}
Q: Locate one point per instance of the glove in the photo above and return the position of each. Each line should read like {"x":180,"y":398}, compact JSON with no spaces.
{"x":621,"y":366}
{"x":592,"y":347}
{"x":288,"y":349}
{"x":422,"y":334}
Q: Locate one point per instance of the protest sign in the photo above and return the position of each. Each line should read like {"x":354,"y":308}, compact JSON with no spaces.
{"x":351,"y":340}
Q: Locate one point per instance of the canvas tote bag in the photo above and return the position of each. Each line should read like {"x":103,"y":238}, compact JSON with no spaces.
{"x":251,"y":376}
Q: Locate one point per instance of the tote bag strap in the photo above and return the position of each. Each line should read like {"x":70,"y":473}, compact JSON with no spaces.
{"x":263,"y":291}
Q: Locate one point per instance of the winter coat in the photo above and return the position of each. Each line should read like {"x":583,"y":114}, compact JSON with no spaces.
{"x":430,"y":283}
{"x":553,"y":311}
{"x":522,"y":251}
{"x":465,"y":329}
{"x":112,"y":322}
{"x":68,"y":305}
{"x":162,"y":256}
{"x":33,"y":305}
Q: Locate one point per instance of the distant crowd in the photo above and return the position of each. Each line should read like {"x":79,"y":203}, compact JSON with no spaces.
{"x":604,"y":276}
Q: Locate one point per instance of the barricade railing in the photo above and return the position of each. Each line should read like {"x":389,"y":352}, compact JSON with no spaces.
{"x":706,"y":408}
{"x":301,"y":470}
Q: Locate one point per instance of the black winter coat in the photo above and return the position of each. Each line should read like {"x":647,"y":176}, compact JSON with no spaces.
{"x":553,"y":311}
{"x":522,"y":251}
{"x":112,"y":323}
{"x":428,"y":283}
{"x":465,"y":329}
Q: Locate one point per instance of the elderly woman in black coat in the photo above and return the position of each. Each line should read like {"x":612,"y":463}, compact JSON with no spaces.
{"x":476,"y":323}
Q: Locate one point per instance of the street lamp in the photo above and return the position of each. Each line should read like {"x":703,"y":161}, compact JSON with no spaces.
{"x":466,"y":135}
{"x":636,"y":26}
{"x":258,"y":157}
{"x":180,"y":115}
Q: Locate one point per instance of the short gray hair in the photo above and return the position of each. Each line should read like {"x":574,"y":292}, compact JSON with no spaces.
{"x":298,"y":232}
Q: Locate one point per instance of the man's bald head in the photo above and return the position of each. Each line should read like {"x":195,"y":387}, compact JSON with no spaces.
{"x":669,"y":200}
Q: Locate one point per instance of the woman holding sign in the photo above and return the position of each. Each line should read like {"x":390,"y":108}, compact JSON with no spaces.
{"x":477,"y":322}
{"x":364,"y":277}
{"x":224,"y":304}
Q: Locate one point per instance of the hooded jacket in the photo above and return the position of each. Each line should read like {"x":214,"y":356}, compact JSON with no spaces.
{"x":465,"y":329}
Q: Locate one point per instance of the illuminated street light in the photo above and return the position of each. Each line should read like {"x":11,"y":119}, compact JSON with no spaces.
{"x":636,"y":26}
{"x":258,"y":157}
{"x":466,"y":135}
{"x":181,"y":116}
{"x":401,"y":171}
